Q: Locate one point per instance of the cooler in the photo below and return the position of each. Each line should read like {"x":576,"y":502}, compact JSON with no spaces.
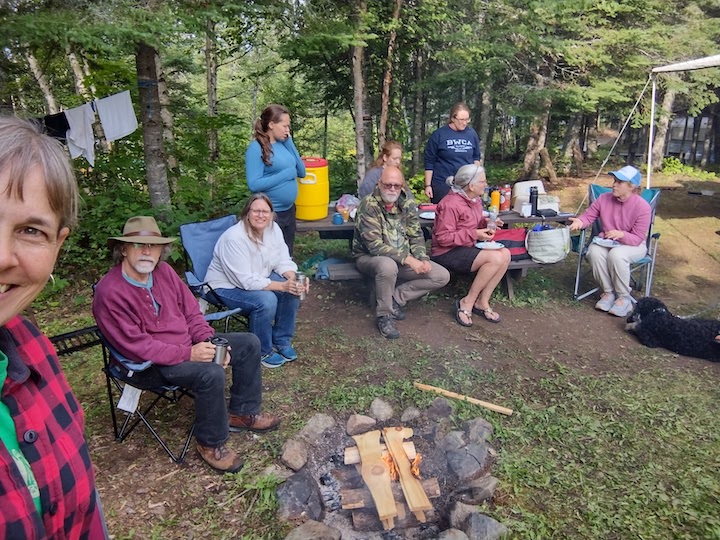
{"x":313,"y":190}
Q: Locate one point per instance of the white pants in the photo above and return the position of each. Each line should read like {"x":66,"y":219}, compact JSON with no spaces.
{"x":611,"y":266}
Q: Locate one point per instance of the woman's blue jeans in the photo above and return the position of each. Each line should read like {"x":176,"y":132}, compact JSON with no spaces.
{"x":264,"y":308}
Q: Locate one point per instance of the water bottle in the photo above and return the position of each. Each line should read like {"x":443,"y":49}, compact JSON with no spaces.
{"x":533,"y":201}
{"x":301,"y":280}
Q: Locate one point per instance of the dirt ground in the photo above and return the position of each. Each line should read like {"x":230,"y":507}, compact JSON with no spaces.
{"x":140,"y":487}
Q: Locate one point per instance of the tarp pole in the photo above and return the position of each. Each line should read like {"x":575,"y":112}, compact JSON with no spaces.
{"x":651,"y":130}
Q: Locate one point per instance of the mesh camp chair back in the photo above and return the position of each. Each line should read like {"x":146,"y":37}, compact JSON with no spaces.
{"x":641,"y":272}
{"x":198,"y":240}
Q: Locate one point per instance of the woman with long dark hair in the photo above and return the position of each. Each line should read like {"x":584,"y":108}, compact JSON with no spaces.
{"x":272,"y":164}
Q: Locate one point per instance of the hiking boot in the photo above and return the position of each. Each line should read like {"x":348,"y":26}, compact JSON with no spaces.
{"x":221,"y":458}
{"x":397,"y":311}
{"x":386,"y":325}
{"x":259,"y":423}
{"x":273,"y":360}
{"x":606,"y":302}
{"x":622,"y":307}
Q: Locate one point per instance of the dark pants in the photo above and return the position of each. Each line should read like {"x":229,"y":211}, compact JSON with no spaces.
{"x":286,"y":222}
{"x":206,"y":380}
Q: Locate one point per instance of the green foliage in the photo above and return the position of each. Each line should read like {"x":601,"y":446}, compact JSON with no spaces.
{"x":672,"y":165}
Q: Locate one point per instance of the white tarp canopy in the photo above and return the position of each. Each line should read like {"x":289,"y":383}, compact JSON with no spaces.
{"x":690,"y":65}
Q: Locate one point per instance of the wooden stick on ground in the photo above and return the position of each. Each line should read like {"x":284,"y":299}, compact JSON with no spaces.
{"x":461,"y":397}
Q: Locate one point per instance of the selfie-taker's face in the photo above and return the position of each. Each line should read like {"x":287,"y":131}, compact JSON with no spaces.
{"x":30,"y":240}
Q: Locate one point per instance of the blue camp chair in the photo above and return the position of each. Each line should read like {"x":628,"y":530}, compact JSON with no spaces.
{"x":198,"y":240}
{"x":641,"y":272}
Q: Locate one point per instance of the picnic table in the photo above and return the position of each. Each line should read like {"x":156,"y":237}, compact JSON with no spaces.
{"x":344,"y":231}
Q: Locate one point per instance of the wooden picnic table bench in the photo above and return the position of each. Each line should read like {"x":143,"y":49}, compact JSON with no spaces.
{"x":347,"y":271}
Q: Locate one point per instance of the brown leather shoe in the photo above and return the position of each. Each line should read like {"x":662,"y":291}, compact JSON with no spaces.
{"x":221,"y":458}
{"x":258,"y":423}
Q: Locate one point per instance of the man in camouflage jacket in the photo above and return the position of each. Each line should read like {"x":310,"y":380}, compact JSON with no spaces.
{"x":389,"y":245}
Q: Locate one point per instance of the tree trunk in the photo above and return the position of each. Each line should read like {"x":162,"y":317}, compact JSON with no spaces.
{"x":572,"y":153}
{"x":43,"y":83}
{"x":708,"y":137}
{"x":485,"y":124}
{"x":168,"y":122}
{"x":387,"y":79}
{"x":536,"y":142}
{"x":658,"y":147}
{"x":78,"y":73}
{"x":359,"y":98}
{"x":591,"y":134}
{"x":418,"y":124}
{"x":697,"y":122}
{"x":153,"y":146}
{"x":211,"y":69}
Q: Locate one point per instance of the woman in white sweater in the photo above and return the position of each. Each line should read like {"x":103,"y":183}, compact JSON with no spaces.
{"x":252,"y":269}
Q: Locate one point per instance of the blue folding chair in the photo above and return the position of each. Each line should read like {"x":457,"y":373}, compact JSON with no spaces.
{"x":198,"y":240}
{"x":641,"y":272}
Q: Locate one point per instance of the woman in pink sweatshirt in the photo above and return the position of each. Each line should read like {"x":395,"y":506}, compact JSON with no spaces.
{"x":625,"y":219}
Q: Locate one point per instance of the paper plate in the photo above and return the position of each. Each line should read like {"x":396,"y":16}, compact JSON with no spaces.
{"x":604,"y":242}
{"x":427,"y":215}
{"x":489,"y":245}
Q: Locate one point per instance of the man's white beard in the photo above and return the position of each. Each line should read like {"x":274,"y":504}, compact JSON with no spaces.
{"x":389,"y":197}
{"x":144,"y":267}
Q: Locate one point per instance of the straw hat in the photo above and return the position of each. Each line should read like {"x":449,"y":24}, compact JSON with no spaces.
{"x":143,"y":230}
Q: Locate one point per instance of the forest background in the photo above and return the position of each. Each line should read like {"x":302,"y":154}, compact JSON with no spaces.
{"x":542,"y":78}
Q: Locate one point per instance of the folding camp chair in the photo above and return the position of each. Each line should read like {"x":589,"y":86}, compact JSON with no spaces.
{"x":198,"y":240}
{"x":125,"y":392}
{"x":641,"y":272}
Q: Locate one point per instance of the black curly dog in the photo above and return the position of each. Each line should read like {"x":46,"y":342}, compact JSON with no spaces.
{"x":655,"y":326}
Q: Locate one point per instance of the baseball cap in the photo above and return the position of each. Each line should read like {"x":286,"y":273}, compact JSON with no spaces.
{"x":628,"y":174}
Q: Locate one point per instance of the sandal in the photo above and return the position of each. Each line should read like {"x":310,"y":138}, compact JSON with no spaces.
{"x":460,"y":311}
{"x":487,"y":314}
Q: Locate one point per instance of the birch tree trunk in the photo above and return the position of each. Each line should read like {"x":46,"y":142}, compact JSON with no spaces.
{"x":43,"y":83}
{"x":661,"y":129}
{"x":211,"y":70}
{"x":153,"y":145}
{"x":387,"y":79}
{"x":418,"y":123}
{"x":359,"y":97}
{"x":78,"y":74}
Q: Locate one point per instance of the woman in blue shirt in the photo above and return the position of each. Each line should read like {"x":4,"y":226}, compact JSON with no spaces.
{"x":449,"y":148}
{"x":272,"y":164}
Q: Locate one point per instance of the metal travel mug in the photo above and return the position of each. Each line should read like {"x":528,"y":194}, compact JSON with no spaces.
{"x":301,"y":280}
{"x":221,"y":345}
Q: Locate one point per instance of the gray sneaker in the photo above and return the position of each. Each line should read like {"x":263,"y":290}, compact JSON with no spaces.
{"x":622,"y":308}
{"x":386,"y":325}
{"x":604,"y":304}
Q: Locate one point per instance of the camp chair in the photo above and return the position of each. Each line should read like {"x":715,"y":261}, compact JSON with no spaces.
{"x":198,"y":240}
{"x":124,"y":393}
{"x":641,"y":272}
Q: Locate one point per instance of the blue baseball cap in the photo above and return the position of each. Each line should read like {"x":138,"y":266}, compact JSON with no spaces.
{"x":628,"y":174}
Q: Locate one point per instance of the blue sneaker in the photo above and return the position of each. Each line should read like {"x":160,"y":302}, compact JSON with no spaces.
{"x":288,"y":352}
{"x":272,"y":360}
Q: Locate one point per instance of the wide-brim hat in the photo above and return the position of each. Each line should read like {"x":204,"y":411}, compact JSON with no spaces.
{"x":628,"y":174}
{"x":143,"y":230}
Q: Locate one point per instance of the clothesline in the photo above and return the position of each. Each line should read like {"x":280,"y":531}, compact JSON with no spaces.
{"x":115,"y":113}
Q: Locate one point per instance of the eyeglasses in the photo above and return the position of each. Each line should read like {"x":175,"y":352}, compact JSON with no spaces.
{"x":260,"y":212}
{"x":462,"y":119}
{"x":145,"y":246}
{"x":391,"y":186}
